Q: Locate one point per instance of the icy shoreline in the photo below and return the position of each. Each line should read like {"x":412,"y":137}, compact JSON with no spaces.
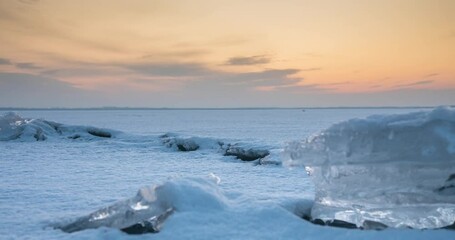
{"x":15,"y":128}
{"x":61,"y":178}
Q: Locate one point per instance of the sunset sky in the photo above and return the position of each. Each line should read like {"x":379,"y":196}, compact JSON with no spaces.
{"x":204,"y":53}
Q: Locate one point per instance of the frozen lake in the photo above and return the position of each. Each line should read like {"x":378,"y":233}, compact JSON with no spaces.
{"x":60,"y":179}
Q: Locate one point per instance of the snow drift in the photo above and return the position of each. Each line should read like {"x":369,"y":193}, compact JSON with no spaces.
{"x":398,"y":170}
{"x":14,"y":127}
{"x":147,"y":211}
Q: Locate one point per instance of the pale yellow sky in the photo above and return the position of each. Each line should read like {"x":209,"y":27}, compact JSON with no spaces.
{"x":333,"y":46}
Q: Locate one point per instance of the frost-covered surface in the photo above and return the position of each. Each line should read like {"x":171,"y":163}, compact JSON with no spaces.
{"x":151,"y":204}
{"x":394,"y":169}
{"x":14,"y":127}
{"x":188,"y":144}
{"x":240,"y":150}
{"x":46,"y":183}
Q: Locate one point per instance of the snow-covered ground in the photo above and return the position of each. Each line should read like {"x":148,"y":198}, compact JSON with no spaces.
{"x":75,"y":170}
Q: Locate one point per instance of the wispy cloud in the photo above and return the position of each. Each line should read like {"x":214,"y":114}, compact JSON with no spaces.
{"x":28,"y":1}
{"x":176,"y":54}
{"x":169,"y":69}
{"x":252,"y":60}
{"x":319,"y":87}
{"x":80,"y":71}
{"x":27,"y":65}
{"x":169,"y":76}
{"x":4,"y":61}
{"x":419,"y":83}
{"x":202,"y":74}
{"x":336,"y":83}
{"x":431,"y":75}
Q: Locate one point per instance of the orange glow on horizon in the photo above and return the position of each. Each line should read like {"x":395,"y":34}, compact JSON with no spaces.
{"x":331,"y":46}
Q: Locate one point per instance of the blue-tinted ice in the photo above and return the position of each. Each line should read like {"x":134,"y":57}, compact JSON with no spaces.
{"x":398,"y":170}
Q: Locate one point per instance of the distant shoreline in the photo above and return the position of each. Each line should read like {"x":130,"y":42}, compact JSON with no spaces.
{"x":241,"y":108}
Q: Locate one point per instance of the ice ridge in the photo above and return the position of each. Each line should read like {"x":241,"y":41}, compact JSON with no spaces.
{"x":14,"y":127}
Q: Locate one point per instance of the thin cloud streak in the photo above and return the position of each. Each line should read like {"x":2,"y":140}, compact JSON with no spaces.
{"x":252,"y":60}
{"x":424,"y":82}
{"x":28,"y":1}
{"x":4,"y":61}
{"x":27,"y":65}
{"x":169,"y":69}
{"x":176,"y":54}
{"x":150,"y":73}
{"x":36,"y":91}
{"x":431,"y":75}
{"x":201,"y":73}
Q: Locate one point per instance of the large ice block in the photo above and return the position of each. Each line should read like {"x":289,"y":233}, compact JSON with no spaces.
{"x":398,"y":170}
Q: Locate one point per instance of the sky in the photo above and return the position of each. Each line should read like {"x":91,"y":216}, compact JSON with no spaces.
{"x":204,"y":53}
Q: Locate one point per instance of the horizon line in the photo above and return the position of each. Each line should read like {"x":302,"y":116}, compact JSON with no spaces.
{"x":212,"y":108}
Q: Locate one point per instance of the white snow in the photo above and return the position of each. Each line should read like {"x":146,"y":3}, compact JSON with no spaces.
{"x":189,"y":143}
{"x":150,"y":203}
{"x":59,"y":180}
{"x":201,"y":210}
{"x":14,"y":127}
{"x":385,"y":168}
